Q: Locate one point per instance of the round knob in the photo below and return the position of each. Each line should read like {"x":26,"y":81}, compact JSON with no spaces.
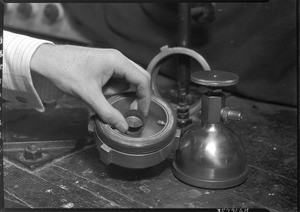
{"x":32,"y":152}
{"x":53,"y":12}
{"x":214,"y":78}
{"x":26,"y":10}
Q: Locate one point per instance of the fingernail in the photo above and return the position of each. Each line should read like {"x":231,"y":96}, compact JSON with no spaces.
{"x":134,"y":105}
{"x":121,"y":126}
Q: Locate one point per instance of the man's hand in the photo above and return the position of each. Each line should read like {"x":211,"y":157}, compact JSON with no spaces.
{"x":82,"y":72}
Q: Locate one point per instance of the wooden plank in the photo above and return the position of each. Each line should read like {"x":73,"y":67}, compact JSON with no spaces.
{"x":38,"y":192}
{"x":268,"y":131}
{"x":155,"y":186}
{"x":268,"y":189}
{"x":280,"y":161}
{"x":53,"y":124}
{"x":11,"y":201}
{"x":68,"y":181}
{"x":270,"y":124}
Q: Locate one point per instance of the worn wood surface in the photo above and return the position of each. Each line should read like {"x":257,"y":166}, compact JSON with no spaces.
{"x":82,"y":181}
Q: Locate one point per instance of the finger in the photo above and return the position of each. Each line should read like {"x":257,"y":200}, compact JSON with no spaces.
{"x":141,"y":79}
{"x":115,"y":86}
{"x":142,"y":103}
{"x":105,"y":111}
{"x":141,"y":69}
{"x":134,"y":105}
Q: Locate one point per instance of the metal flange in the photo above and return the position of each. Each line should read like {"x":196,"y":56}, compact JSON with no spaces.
{"x":135,"y":161}
{"x":165,"y":53}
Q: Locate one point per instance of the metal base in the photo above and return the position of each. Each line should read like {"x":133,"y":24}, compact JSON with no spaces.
{"x":209,"y":184}
{"x":134,"y":161}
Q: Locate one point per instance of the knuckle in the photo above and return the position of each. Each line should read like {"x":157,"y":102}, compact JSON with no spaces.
{"x":145,"y":80}
{"x":106,"y":116}
{"x":116,"y":57}
{"x":116,"y":54}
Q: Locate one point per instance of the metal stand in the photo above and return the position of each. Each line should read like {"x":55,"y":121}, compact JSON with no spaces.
{"x":211,"y":155}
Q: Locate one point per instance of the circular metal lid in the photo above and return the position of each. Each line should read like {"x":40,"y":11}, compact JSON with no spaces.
{"x":214,"y":78}
{"x":157,"y":131}
{"x":135,"y":120}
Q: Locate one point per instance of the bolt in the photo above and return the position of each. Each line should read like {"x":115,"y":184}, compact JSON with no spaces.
{"x":229,"y":114}
{"x":161,"y":123}
{"x":32,"y":147}
{"x":32,"y":152}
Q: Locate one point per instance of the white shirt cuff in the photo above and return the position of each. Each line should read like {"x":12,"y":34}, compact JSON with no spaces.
{"x":18,"y":87}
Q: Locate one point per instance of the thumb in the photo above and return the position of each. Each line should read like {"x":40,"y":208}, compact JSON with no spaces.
{"x":105,"y":111}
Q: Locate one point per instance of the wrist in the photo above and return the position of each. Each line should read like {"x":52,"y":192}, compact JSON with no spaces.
{"x":43,"y":59}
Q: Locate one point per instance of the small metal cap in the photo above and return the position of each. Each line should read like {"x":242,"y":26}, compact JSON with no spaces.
{"x":135,"y":120}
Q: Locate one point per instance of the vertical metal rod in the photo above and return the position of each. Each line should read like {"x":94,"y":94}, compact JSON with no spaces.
{"x":183,"y":71}
{"x":184,"y":13}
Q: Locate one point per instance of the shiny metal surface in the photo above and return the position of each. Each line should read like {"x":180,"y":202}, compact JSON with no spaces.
{"x":210,"y":156}
{"x":134,"y":121}
{"x":152,"y":145}
{"x":214,"y":78}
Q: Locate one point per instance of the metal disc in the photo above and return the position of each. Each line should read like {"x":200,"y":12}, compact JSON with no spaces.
{"x":214,"y":78}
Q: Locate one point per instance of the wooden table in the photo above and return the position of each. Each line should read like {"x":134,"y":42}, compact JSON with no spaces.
{"x":81,"y":181}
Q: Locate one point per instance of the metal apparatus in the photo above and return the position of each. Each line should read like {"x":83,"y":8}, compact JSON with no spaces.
{"x":149,"y":140}
{"x":211,"y":155}
{"x":183,"y":70}
{"x":201,"y":13}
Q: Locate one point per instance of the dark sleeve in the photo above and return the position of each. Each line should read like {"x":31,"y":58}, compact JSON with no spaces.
{"x":257,"y":41}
